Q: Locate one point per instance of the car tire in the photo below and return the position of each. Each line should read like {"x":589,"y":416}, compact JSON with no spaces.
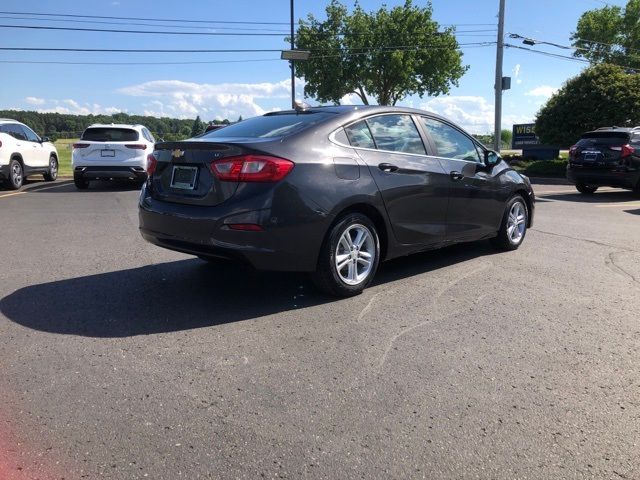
{"x":52,"y":174}
{"x":514,"y":225}
{"x":80,"y":183}
{"x":16,"y":175}
{"x":586,"y":189}
{"x":349,"y":256}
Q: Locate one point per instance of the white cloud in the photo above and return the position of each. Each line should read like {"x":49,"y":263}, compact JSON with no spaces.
{"x":224,"y":100}
{"x":473,"y":113}
{"x":542,"y":91}
{"x":516,"y":73}
{"x":35,"y":101}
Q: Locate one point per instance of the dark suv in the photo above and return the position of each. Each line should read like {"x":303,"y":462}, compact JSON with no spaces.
{"x":608,"y":156}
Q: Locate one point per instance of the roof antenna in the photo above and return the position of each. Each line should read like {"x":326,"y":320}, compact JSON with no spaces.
{"x":301,"y":106}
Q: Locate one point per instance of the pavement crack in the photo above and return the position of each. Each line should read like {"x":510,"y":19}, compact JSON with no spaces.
{"x":588,"y":240}
{"x":614,"y":266}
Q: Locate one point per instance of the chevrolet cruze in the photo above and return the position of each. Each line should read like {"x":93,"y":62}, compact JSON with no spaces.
{"x":332,"y":191}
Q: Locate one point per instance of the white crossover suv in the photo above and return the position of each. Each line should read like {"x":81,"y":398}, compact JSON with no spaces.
{"x":23,"y":153}
{"x":111,"y":151}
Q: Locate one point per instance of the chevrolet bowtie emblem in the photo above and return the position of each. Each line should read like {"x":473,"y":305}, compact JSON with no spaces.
{"x":177,"y":153}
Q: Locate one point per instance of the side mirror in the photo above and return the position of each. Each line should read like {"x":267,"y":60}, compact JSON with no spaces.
{"x":491,"y":158}
{"x":45,"y":139}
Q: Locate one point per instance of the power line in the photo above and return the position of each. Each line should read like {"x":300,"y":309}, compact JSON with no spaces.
{"x":164,"y":32}
{"x":148,"y":19}
{"x":315,"y":56}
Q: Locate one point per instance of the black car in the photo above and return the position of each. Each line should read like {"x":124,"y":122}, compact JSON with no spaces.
{"x":608,"y":156}
{"x":332,"y":191}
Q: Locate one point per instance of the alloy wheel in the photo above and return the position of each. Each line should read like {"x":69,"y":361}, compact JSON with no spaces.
{"x":355,"y":254}
{"x":516,"y":222}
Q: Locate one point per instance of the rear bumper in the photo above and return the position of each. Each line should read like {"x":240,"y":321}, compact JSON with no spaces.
{"x":107,"y":172}
{"x":200,"y":230}
{"x":622,"y":178}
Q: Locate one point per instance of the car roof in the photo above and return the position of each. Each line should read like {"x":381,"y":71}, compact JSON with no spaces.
{"x":11,"y":120}
{"x":365,"y":109}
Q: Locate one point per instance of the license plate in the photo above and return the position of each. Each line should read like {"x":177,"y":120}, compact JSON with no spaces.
{"x":107,"y":153}
{"x":590,"y":156}
{"x":184,"y":177}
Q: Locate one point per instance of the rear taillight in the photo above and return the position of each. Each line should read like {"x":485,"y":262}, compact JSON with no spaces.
{"x":625,"y":150}
{"x":80,"y":145}
{"x":252,"y":168}
{"x":152,"y":163}
{"x":573,"y":150}
{"x":136,"y":146}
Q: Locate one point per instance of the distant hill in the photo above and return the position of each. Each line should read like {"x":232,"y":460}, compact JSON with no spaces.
{"x":60,"y":125}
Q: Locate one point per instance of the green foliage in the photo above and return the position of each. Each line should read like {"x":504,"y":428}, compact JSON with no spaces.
{"x":359,"y":53}
{"x":603,"y":95}
{"x":198,"y":127}
{"x":610,"y":34}
{"x":487,"y":139}
{"x":544,"y":168}
{"x":57,"y":125}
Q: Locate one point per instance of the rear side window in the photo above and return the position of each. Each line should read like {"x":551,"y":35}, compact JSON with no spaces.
{"x":147,"y":135}
{"x":593,"y":139}
{"x":15,"y":131}
{"x":269,"y":126}
{"x":107,"y":134}
{"x":359,"y":135}
{"x":396,"y":133}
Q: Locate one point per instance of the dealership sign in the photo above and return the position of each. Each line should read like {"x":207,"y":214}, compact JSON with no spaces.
{"x":524,"y":136}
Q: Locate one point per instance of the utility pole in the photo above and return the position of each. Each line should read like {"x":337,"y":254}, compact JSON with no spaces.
{"x":293,"y":65}
{"x":499,"y":52}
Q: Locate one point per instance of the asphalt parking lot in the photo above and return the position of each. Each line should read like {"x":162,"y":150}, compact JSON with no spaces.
{"x":122,"y":360}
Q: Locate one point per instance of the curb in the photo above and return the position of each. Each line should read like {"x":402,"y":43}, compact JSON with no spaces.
{"x":549,"y":181}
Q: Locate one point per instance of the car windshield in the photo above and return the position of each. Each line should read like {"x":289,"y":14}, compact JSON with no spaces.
{"x":107,"y":134}
{"x":269,"y":126}
{"x":598,"y":138}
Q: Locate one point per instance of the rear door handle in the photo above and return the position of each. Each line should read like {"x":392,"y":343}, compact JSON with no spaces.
{"x":387,"y":167}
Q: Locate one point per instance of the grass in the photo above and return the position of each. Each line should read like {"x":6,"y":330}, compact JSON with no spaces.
{"x":64,"y":156}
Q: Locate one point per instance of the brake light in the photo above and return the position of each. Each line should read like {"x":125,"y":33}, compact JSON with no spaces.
{"x":573,"y":150}
{"x":627,"y":151}
{"x":245,"y":227}
{"x":136,"y":146}
{"x":152,"y":163}
{"x":252,"y":168}
{"x":80,"y":145}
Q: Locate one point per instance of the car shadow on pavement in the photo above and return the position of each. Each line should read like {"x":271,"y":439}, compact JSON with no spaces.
{"x":598,"y":197}
{"x":188,"y":294}
{"x":633,"y":212}
{"x":95,"y":186}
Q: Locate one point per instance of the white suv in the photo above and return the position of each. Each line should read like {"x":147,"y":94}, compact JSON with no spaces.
{"x":111,"y":151}
{"x":23,"y":153}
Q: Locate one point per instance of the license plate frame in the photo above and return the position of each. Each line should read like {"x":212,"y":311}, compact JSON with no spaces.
{"x":107,"y":152}
{"x":181,"y":181}
{"x":590,"y":156}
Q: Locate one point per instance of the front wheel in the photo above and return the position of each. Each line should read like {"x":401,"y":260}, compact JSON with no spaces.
{"x":514,"y":225}
{"x":349,"y":257}
{"x":586,"y":189}
{"x":52,"y":174}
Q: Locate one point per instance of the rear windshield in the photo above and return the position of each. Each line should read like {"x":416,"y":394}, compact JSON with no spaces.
{"x":270,"y":125}
{"x":107,"y":134}
{"x":609,"y":138}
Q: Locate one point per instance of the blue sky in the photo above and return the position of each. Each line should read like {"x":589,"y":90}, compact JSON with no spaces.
{"x":249,"y":84}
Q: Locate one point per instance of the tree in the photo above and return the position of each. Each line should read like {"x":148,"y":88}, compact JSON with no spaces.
{"x":602,"y":95}
{"x":610,"y":34}
{"x":198,"y":127}
{"x":387,"y":54}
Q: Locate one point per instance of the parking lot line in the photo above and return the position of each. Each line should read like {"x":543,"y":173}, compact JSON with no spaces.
{"x":11,"y":194}
{"x":620,"y":205}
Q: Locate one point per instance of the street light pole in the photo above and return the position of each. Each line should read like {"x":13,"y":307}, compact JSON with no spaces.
{"x":499,"y":53}
{"x":293,"y":65}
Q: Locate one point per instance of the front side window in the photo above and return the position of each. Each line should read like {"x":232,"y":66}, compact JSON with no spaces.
{"x":359,"y":135}
{"x":396,"y":133}
{"x":450,"y":142}
{"x":30,"y":134}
